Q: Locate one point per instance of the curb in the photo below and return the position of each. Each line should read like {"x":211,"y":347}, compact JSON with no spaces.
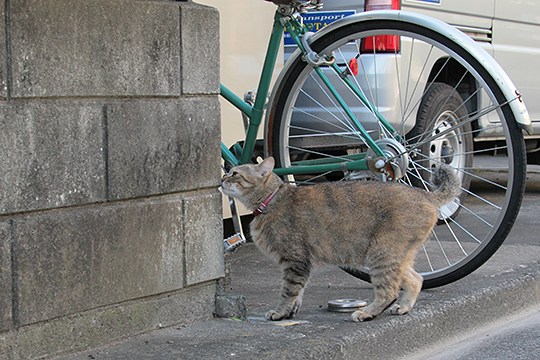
{"x":426,"y":326}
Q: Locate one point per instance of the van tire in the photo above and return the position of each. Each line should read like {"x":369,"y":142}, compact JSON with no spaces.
{"x":439,"y":103}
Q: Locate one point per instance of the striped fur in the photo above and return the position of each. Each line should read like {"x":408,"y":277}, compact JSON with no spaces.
{"x":364,"y":223}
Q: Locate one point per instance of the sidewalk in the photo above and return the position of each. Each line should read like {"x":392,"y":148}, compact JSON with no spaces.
{"x":507,"y":284}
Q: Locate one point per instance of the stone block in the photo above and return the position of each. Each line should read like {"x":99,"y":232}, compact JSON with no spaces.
{"x":3,"y":57}
{"x":95,"y":48}
{"x":163,"y":147}
{"x":74,"y":260}
{"x":200,"y":49}
{"x":5,"y":277}
{"x":52,"y":155}
{"x":101,"y":326}
{"x":230,"y":305}
{"x":203,"y":238}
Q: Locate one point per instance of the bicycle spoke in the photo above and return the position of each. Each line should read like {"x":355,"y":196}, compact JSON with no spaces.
{"x":319,"y":133}
{"x":456,"y":240}
{"x":469,"y":173}
{"x":442,"y":249}
{"x":476,"y":216}
{"x":309,"y":181}
{"x":452,"y":128}
{"x":318,"y":153}
{"x":357,"y":83}
{"x":347,"y":126}
{"x":427,"y":257}
{"x":326,"y":122}
{"x":408,"y":106}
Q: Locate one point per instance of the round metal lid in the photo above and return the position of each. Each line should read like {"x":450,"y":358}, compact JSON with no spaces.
{"x":345,"y":305}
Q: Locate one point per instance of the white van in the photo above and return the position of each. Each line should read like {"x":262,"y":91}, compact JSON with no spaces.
{"x":508,"y":29}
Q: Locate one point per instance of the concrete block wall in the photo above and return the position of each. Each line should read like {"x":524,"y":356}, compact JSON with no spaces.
{"x":110,"y":217}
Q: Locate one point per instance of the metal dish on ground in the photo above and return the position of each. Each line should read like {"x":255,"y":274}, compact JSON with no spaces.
{"x":345,"y":305}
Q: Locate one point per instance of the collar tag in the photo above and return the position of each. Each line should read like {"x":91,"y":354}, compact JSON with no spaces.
{"x":261,"y":209}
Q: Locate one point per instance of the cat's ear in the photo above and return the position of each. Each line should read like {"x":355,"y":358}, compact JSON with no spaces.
{"x":267,"y":166}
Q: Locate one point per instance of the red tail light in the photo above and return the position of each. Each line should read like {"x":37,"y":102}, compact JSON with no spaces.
{"x":382,"y":5}
{"x":381,"y":43}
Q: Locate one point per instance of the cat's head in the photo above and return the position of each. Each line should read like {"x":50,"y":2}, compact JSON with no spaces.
{"x":248,"y":183}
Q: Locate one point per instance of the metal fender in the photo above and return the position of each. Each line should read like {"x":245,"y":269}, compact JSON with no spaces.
{"x":492,"y":67}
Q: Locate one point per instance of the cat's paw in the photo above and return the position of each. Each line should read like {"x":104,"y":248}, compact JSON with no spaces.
{"x":276,"y":315}
{"x":361,"y":315}
{"x":396,"y":309}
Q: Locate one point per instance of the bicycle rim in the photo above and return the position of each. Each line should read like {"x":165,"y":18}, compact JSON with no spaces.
{"x":305,"y":123}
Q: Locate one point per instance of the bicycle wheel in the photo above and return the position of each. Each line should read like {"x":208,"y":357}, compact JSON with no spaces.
{"x":446,"y":107}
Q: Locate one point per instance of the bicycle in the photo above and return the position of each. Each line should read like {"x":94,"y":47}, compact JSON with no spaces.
{"x":328,"y":119}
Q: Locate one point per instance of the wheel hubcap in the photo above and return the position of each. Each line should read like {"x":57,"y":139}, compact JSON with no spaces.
{"x":446,"y":149}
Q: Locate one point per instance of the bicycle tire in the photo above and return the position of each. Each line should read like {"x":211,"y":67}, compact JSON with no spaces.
{"x":487,"y":222}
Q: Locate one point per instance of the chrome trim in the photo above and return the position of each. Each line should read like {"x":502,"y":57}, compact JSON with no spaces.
{"x":477,"y":34}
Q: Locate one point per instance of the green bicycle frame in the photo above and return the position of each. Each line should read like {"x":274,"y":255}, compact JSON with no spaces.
{"x":255,"y":113}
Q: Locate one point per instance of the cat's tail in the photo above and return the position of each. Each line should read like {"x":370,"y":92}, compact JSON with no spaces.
{"x":447,"y":185}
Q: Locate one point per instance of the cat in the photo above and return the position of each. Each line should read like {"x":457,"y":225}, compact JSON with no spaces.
{"x":379,"y":225}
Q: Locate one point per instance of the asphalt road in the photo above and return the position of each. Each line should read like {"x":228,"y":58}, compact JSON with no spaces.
{"x":527,"y":226}
{"x":526,"y":229}
{"x":509,"y":339}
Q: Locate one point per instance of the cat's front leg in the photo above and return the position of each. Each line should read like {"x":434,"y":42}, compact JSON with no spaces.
{"x":286,"y":310}
{"x":295,"y":278}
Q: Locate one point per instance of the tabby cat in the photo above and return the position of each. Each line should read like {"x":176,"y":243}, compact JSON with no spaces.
{"x":379,"y":225}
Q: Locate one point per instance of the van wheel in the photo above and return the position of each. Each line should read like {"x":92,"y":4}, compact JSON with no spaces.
{"x":441,"y":109}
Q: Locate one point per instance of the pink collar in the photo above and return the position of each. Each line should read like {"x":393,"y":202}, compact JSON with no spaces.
{"x":261,"y":209}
